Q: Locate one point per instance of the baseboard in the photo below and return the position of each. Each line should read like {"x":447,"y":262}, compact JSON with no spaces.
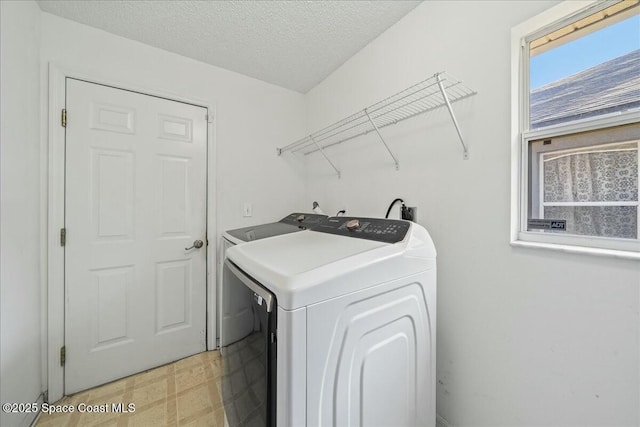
{"x":441,"y":422}
{"x":32,"y":419}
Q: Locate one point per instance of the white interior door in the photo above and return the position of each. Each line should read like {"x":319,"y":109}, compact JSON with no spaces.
{"x":135,"y":198}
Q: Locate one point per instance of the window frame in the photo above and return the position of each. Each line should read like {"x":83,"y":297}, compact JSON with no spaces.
{"x":546,"y":22}
{"x":572,"y":144}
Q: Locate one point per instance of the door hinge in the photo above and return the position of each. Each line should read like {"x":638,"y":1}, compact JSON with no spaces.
{"x":63,"y":236}
{"x":63,"y":118}
{"x":63,"y":355}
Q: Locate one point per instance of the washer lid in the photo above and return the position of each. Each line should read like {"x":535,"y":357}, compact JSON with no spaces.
{"x":258,"y":232}
{"x":308,"y":267}
{"x":291,"y":223}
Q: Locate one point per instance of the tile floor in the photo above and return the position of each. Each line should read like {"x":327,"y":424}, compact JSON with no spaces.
{"x":183,"y":393}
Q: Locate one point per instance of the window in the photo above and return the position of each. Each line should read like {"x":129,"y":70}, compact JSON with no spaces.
{"x":578,"y":135}
{"x":587,"y":181}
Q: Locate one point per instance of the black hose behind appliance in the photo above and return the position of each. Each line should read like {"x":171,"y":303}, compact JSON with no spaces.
{"x":405,"y":212}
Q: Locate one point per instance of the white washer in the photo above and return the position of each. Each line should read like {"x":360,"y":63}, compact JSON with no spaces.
{"x":341,"y":329}
{"x":289,"y":224}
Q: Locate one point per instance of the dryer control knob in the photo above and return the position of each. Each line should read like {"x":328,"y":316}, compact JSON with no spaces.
{"x":300,"y":218}
{"x":353,"y":224}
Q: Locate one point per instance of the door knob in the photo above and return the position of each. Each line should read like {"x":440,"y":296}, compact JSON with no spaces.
{"x":196,"y":244}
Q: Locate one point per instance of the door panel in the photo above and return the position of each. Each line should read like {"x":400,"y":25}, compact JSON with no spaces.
{"x":173,"y":201}
{"x":112,"y":194}
{"x":173,"y":289}
{"x":110,"y":306}
{"x":135,"y":199}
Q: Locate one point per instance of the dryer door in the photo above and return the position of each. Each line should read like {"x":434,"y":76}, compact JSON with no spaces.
{"x":248,"y":348}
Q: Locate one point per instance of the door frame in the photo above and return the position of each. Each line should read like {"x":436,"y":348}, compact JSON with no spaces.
{"x":53,"y":193}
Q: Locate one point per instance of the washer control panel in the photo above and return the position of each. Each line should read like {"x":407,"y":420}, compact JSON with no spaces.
{"x":381,"y":230}
{"x":303,"y":220}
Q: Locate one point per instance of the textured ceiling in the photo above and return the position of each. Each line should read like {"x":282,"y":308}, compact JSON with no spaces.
{"x":294,"y":44}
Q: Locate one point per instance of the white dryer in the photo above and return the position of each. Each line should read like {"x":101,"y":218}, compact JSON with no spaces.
{"x":228,"y":303}
{"x":341,"y":329}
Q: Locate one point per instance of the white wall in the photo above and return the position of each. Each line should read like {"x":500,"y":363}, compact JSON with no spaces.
{"x":253,"y":117}
{"x":525,"y":337}
{"x":20,"y":207}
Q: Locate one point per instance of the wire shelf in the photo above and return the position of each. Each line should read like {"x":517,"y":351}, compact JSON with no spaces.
{"x":437,"y":91}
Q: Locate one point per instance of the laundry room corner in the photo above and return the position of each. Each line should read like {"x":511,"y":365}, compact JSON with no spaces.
{"x":307,"y":213}
{"x":524,"y":315}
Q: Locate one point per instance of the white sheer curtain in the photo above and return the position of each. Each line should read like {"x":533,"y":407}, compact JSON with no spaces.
{"x":595,"y":191}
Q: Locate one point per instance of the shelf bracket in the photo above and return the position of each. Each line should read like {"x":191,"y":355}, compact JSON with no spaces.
{"x":465,"y":155}
{"x":325,"y":156}
{"x":395,"y":161}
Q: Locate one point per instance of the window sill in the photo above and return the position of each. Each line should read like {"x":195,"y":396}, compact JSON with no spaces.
{"x":534,"y":240}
